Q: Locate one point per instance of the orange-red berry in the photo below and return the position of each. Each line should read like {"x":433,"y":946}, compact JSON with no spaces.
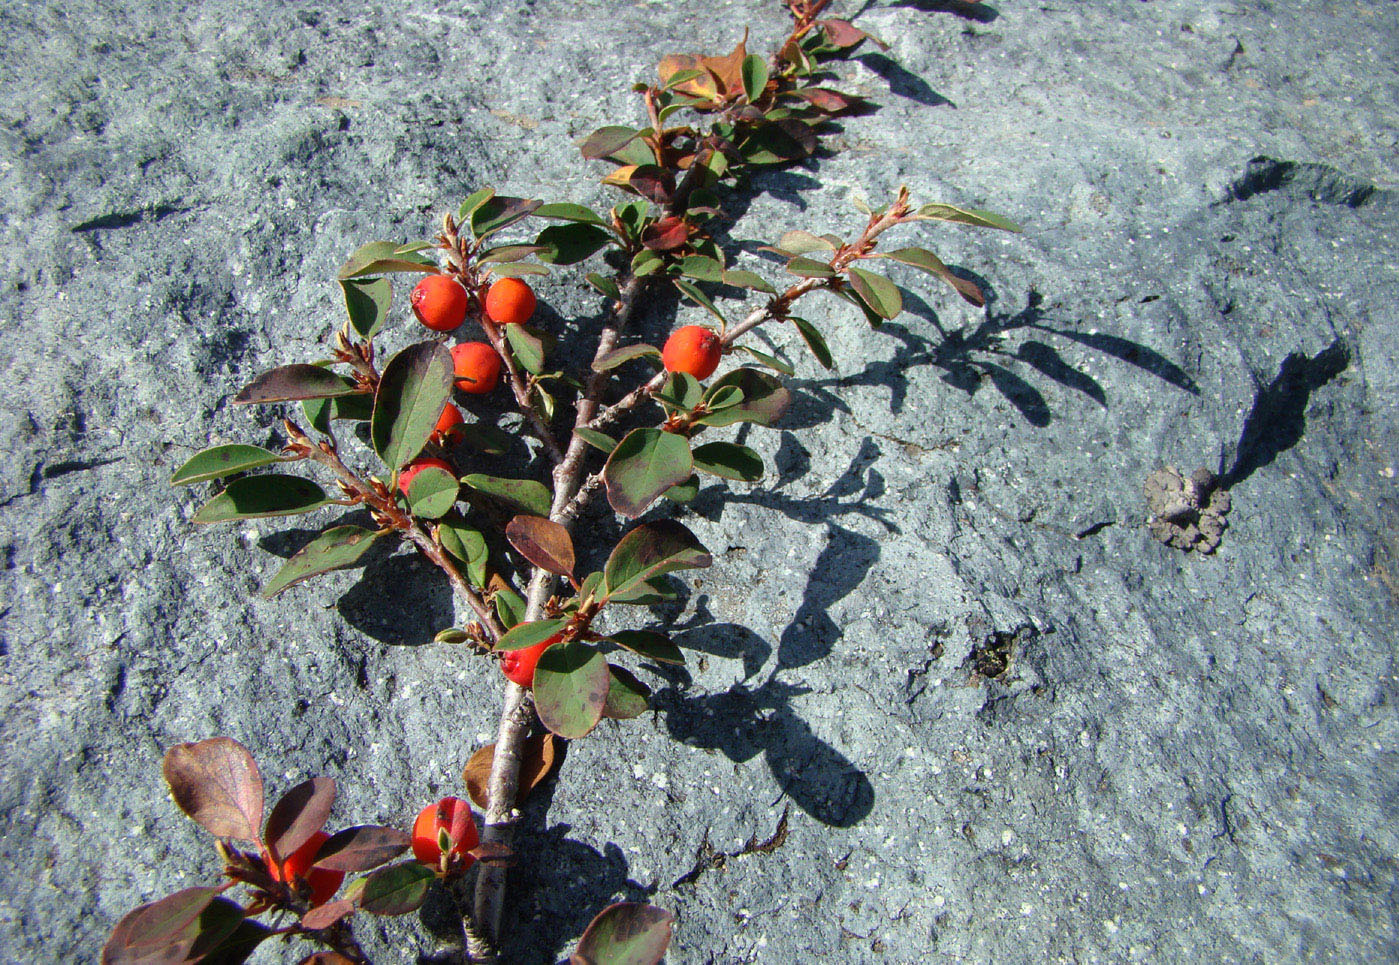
{"x":448,"y":424}
{"x":410,"y":471}
{"x":477,"y":367}
{"x":297,"y":867}
{"x":440,"y":302}
{"x":452,"y":815}
{"x":518,"y":665}
{"x":692,"y":349}
{"x":510,"y":301}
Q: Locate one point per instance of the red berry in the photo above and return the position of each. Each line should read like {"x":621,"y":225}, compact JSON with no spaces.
{"x":510,"y":301}
{"x":405,"y":478}
{"x":477,"y":367}
{"x":518,"y":665}
{"x":692,"y":349}
{"x":297,"y":867}
{"x":440,"y":302}
{"x":449,"y":424}
{"x":453,"y":815}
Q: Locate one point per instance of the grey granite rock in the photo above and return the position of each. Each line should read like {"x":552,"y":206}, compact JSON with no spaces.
{"x":1002,"y":722}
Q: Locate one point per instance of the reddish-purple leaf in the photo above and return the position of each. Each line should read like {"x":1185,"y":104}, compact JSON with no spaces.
{"x":844,"y":34}
{"x":607,"y":140}
{"x":626,"y":933}
{"x":163,"y":920}
{"x":323,"y":916}
{"x":209,"y":930}
{"x":653,"y":182}
{"x":361,"y":848}
{"x":217,"y":784}
{"x":326,"y":958}
{"x":494,"y":852}
{"x":666,"y":234}
{"x":545,"y":544}
{"x":537,"y":759}
{"x":291,"y":382}
{"x":827,"y":100}
{"x":300,"y":813}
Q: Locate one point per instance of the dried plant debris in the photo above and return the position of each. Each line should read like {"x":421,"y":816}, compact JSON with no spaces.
{"x":1187,"y":512}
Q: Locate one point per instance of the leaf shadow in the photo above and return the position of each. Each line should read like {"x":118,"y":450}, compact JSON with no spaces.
{"x":401,"y":600}
{"x":903,"y":82}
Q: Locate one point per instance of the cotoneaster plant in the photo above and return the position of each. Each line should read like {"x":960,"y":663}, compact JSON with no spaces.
{"x":570,"y":643}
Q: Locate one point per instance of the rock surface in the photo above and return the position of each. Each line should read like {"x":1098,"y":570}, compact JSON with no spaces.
{"x":951,"y":700}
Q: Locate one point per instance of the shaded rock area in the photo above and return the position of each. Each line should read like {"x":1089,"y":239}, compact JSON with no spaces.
{"x":948,"y":699}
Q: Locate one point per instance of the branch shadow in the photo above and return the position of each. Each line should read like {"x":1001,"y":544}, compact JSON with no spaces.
{"x":1279,"y":415}
{"x":903,"y":82}
{"x":966,"y":9}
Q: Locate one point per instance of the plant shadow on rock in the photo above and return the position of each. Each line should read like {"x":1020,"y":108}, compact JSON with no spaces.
{"x":971,"y":357}
{"x":402,"y":600}
{"x":1279,"y":415}
{"x":746,"y":721}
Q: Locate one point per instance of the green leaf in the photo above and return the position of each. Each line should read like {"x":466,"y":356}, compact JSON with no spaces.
{"x":524,"y":635}
{"x":570,"y":688}
{"x":680,"y":391}
{"x":968,"y":216}
{"x":755,"y":76}
{"x":516,"y":270}
{"x":289,"y":383}
{"x":729,"y":460}
{"x":222,"y":461}
{"x":414,"y":388}
{"x":626,"y":696}
{"x":699,"y":298}
{"x":870,"y":314}
{"x":747,"y":279}
{"x":700,"y":267}
{"x":925,"y":260}
{"x":367,"y":302}
{"x":815,"y":341}
{"x":638,"y":152}
{"x":335,"y":549}
{"x":771,"y":361}
{"x":649,"y":551}
{"x":568,"y":244}
{"x":878,"y":292}
{"x":357,"y":408}
{"x":662,"y":589}
{"x":510,"y":606}
{"x":626,"y":353}
{"x":764,"y":399}
{"x":606,"y":141}
{"x":600,"y":441}
{"x":381,"y":257}
{"x":567,"y":211}
{"x":605,"y":286}
{"x":500,"y":212}
{"x":432,"y":492}
{"x":521,"y":495}
{"x":467,"y":544}
{"x":643,"y":466}
{"x":474,"y":201}
{"x":527,"y":348}
{"x":646,"y":262}
{"x":504,"y":254}
{"x":649,"y":644}
{"x":683,"y":492}
{"x":728,"y":395}
{"x":627,"y":933}
{"x":255,"y":497}
{"x":397,"y":889}
{"x":810,"y":268}
{"x":682,"y":76}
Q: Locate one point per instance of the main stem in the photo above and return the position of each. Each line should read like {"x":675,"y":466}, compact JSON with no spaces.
{"x":517,"y":715}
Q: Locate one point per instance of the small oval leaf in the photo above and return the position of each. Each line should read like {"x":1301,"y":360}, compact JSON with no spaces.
{"x":299,"y":814}
{"x":544,"y":543}
{"x":815,"y":341}
{"x":967,"y":216}
{"x":361,"y":848}
{"x":878,"y":292}
{"x":415,"y":386}
{"x":217,"y":784}
{"x":432,"y":492}
{"x":626,"y":353}
{"x":527,"y":348}
{"x":522,"y":495}
{"x":524,"y":635}
{"x":570,"y":688}
{"x":381,"y":257}
{"x":538,"y":755}
{"x":395,"y":890}
{"x":367,"y":302}
{"x":626,"y":933}
{"x":649,"y":644}
{"x":627,"y":697}
{"x":220,"y":461}
{"x":256,"y":497}
{"x":647,"y":552}
{"x":291,"y":382}
{"x":644,"y":465}
{"x":729,"y":460}
{"x":334,"y":549}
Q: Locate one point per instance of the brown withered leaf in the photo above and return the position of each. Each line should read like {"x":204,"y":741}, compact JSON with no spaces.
{"x":666,"y":234}
{"x":845,"y":34}
{"x":828,"y":101}
{"x":728,"y":69}
{"x":493,"y":852}
{"x":217,"y":784}
{"x":544,"y":543}
{"x":703,"y":86}
{"x":537,"y":760}
{"x":300,"y":813}
{"x":723,"y":77}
